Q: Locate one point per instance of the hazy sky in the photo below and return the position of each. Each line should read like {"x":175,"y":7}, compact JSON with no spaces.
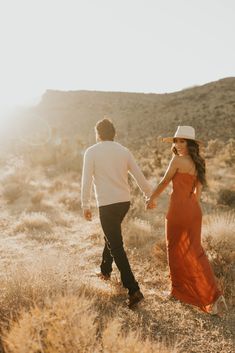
{"x":113,"y":45}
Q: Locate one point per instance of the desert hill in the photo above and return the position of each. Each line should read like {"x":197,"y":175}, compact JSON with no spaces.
{"x":210,"y":108}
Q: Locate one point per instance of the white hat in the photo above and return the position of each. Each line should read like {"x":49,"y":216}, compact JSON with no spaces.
{"x":184,"y":132}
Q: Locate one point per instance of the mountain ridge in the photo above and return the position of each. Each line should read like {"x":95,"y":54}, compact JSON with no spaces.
{"x":210,"y":108}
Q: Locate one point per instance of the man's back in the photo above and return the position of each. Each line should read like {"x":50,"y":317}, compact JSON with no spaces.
{"x":108,"y":162}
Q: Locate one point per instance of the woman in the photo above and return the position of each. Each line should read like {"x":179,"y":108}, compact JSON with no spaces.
{"x":193,"y":281}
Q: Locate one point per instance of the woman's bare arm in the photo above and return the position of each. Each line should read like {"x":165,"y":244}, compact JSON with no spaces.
{"x":170,"y":172}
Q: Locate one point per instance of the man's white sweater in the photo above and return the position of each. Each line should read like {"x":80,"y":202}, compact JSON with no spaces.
{"x":107,"y":164}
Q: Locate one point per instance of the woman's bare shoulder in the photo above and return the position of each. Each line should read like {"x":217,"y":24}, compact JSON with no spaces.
{"x":176,"y":160}
{"x":181,"y":161}
{"x":185,"y":164}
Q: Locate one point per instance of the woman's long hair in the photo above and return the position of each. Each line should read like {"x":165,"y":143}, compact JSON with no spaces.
{"x":200,"y":165}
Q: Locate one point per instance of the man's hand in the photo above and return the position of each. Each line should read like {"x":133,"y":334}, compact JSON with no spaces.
{"x":87,"y":214}
{"x":150,"y":204}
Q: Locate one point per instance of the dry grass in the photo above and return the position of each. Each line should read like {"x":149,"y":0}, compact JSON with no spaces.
{"x":66,"y":324}
{"x":56,"y":185}
{"x":71,"y":201}
{"x":11,"y":192}
{"x":115,"y":341}
{"x":43,"y":206}
{"x":37,"y":197}
{"x":159,"y":253}
{"x":31,"y":222}
{"x":15,"y":179}
{"x":138,"y":233}
{"x":50,"y":300}
{"x":219,"y":241}
{"x":44,"y":308}
{"x":21,"y":291}
{"x":40,"y":311}
{"x":71,"y":324}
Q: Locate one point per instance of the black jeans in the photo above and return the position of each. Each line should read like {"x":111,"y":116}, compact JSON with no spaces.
{"x":111,"y":217}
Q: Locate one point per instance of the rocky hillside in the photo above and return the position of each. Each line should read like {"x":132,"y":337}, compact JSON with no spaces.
{"x":209,"y":108}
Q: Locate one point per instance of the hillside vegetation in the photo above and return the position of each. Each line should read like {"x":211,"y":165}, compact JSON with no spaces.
{"x":209,"y":108}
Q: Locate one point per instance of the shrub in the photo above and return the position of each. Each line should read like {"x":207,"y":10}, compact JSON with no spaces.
{"x":214,"y":147}
{"x":219,"y":241}
{"x":11,"y":192}
{"x":71,"y":200}
{"x":64,"y":325}
{"x":34,"y":221}
{"x":229,"y":152}
{"x":37,"y":198}
{"x":15,"y":179}
{"x":226,"y":197}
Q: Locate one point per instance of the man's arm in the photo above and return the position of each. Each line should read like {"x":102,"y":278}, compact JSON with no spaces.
{"x":139,"y":177}
{"x":87,"y":174}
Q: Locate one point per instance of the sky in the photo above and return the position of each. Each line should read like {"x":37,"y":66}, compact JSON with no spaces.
{"x":147,"y":46}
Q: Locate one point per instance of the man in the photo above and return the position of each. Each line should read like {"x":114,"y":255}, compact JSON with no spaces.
{"x":107,"y":164}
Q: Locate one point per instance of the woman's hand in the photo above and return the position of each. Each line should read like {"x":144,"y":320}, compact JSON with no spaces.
{"x":151,"y":204}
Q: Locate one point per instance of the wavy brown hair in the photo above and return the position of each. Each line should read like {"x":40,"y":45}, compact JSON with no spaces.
{"x":200,"y":165}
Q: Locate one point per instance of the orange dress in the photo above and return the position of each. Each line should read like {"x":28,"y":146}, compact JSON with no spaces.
{"x":193,"y":281}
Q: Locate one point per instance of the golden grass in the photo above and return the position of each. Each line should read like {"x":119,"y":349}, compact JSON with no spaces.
{"x":37,"y":197}
{"x":34,"y":221}
{"x":41,"y":312}
{"x":219,"y":241}
{"x":71,"y":200}
{"x":11,"y":192}
{"x":50,"y":299}
{"x":138,"y":233}
{"x":24,"y":285}
{"x":66,"y":324}
{"x":220,"y":225}
{"x":70,"y":324}
{"x":115,"y":341}
{"x":14,"y":179}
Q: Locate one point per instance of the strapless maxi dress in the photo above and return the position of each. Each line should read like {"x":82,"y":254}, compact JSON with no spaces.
{"x":192,"y":277}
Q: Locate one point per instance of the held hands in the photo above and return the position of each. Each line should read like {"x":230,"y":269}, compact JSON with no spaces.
{"x":150,"y":204}
{"x":87,"y":214}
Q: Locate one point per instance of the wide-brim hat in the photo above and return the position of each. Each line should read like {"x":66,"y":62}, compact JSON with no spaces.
{"x":184,"y":132}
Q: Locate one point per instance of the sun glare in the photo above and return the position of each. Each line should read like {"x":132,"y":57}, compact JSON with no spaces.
{"x":11,"y":107}
{"x":13,"y":100}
